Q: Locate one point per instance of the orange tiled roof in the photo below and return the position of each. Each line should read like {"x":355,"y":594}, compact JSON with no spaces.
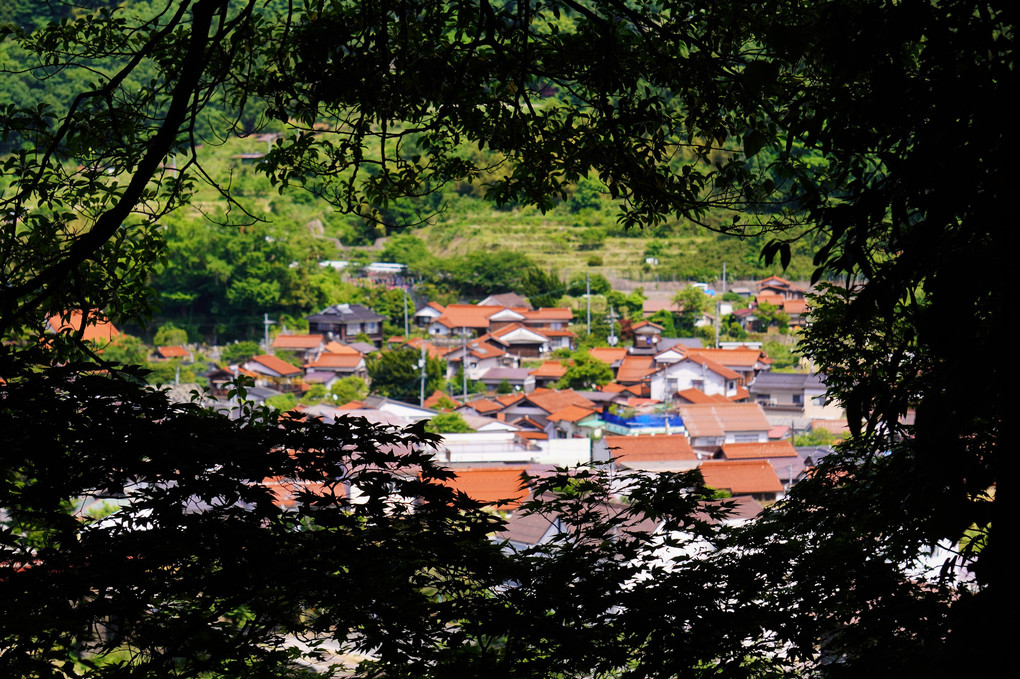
{"x":431,"y":349}
{"x":491,"y":484}
{"x":795,"y":306}
{"x":467,"y":316}
{"x":741,"y":477}
{"x":297,"y":341}
{"x":551,"y":400}
{"x":776,"y":281}
{"x":276,"y":364}
{"x":532,"y":435}
{"x":97,"y":329}
{"x":172,"y":352}
{"x":743,"y":357}
{"x":550,"y":369}
{"x":770,"y":297}
{"x":335,"y":347}
{"x":483,"y":406}
{"x":337,"y":361}
{"x":608,"y":355}
{"x":754,"y":451}
{"x":717,"y":419}
{"x":438,"y":396}
{"x":697,"y":396}
{"x":548,"y":314}
{"x":714,"y":366}
{"x":635,"y":369}
{"x":510,"y":399}
{"x":571,"y":413}
{"x":651,"y":448}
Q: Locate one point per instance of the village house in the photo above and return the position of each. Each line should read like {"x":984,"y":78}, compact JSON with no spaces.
{"x":710,"y":426}
{"x":345,"y":322}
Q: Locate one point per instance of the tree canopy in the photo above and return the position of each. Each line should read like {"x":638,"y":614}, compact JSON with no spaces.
{"x":878,"y":131}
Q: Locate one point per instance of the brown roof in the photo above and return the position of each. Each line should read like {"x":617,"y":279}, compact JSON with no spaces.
{"x":749,"y":451}
{"x":717,"y":419}
{"x":741,"y":477}
{"x":648,"y":448}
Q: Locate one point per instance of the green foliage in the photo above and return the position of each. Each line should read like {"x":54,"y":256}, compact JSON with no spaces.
{"x":169,"y":335}
{"x":239,"y":352}
{"x":483,"y":273}
{"x":577,"y":286}
{"x":397,"y":375}
{"x":815,"y":437}
{"x":731,"y":328}
{"x":587,"y":195}
{"x":283,"y":403}
{"x":125,"y":349}
{"x":771,"y":316}
{"x":209,"y":546}
{"x":585,"y":372}
{"x":350,"y":388}
{"x":448,"y":423}
{"x":783,"y":354}
{"x":692,"y":304}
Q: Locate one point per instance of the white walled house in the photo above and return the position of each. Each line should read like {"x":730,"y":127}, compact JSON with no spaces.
{"x":693,"y":373}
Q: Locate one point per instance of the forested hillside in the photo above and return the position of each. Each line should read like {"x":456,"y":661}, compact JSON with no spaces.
{"x":228,"y":262}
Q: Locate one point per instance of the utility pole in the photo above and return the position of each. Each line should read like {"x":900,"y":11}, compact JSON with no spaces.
{"x":265,"y":330}
{"x":463,"y":362}
{"x":405,"y":311}
{"x":587,"y":290}
{"x":421,"y":364}
{"x":718,"y":305}
{"x":612,"y":339}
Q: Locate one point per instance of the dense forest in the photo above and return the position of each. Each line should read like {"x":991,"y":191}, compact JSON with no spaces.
{"x":229,"y":262}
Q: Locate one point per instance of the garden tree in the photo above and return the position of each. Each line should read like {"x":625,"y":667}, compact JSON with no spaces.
{"x":350,"y":388}
{"x":585,"y":372}
{"x":481,"y":273}
{"x":200,"y":572}
{"x":169,"y":335}
{"x":691,"y":304}
{"x":771,"y":316}
{"x":579,"y":284}
{"x":448,"y":423}
{"x":239,"y":352}
{"x":778,"y":112}
{"x":397,"y":375}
